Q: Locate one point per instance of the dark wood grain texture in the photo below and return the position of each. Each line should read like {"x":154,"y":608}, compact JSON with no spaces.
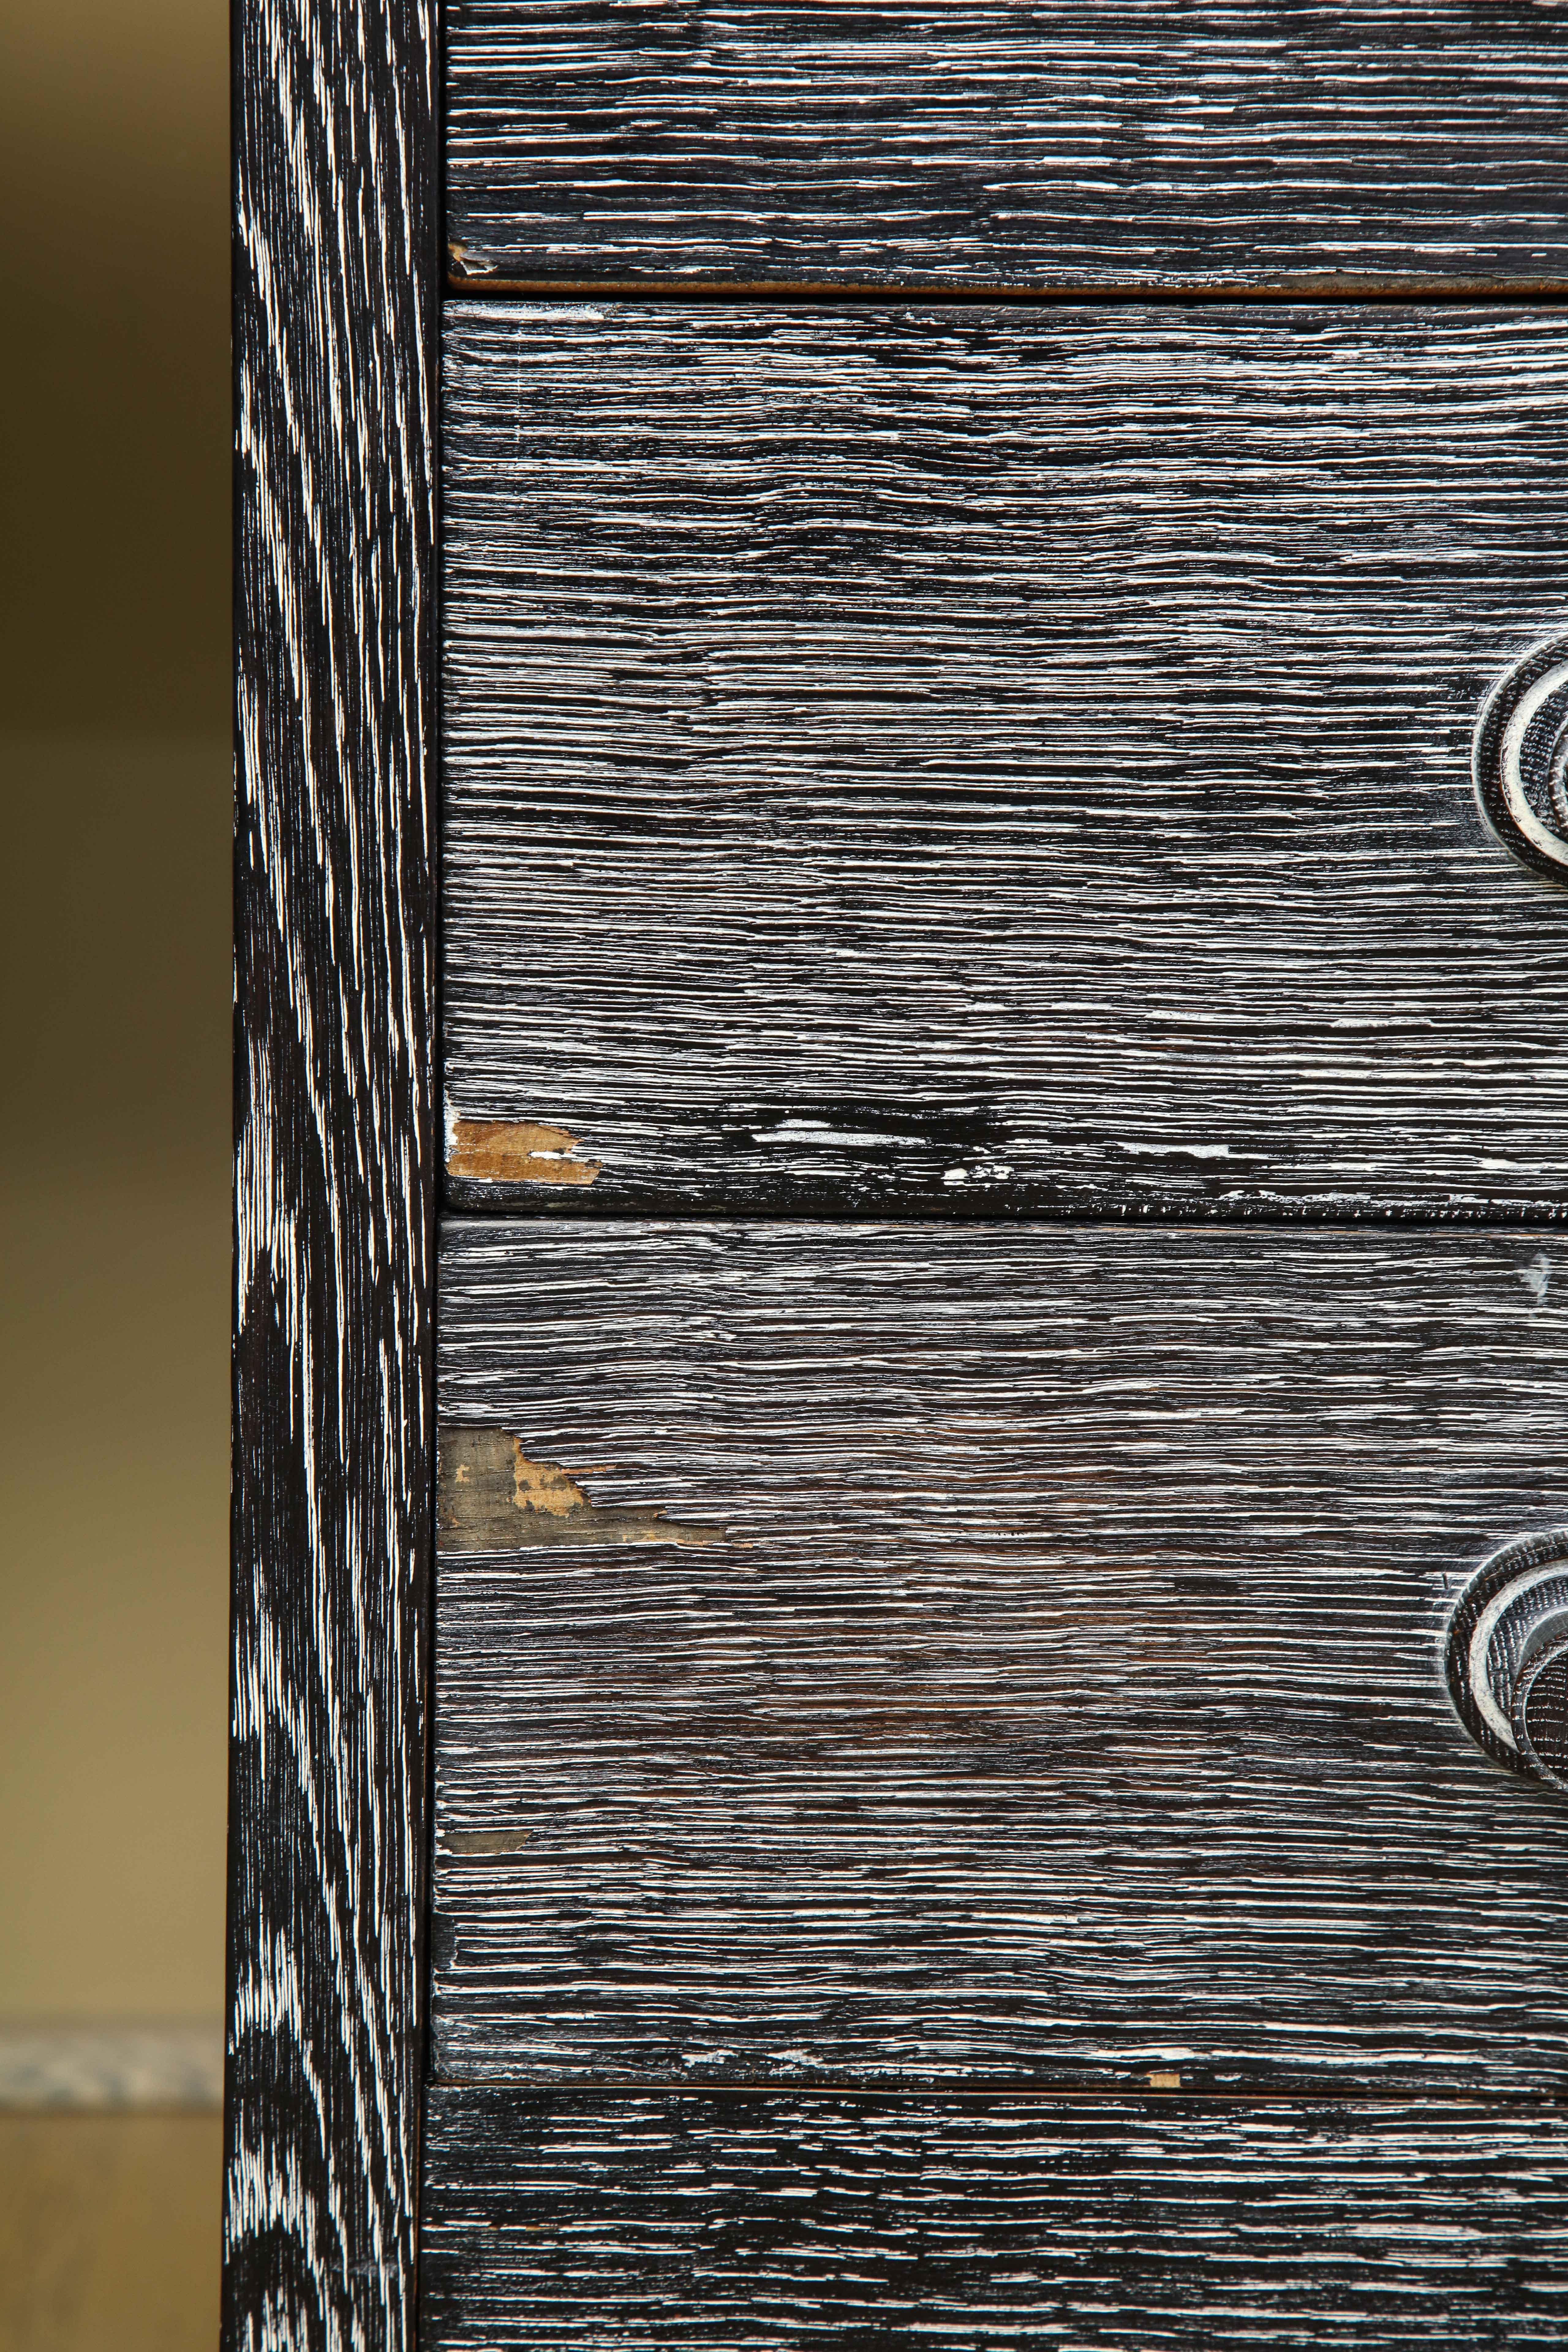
{"x":975,"y":760}
{"x":779,"y":2222}
{"x":961,"y":142}
{"x":1038,"y":1675}
{"x":335,"y":270}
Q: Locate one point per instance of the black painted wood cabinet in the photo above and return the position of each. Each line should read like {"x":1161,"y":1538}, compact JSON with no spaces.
{"x":900,"y":1547}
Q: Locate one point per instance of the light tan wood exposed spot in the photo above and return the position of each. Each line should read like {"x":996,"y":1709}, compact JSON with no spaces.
{"x":492,"y":1497}
{"x":516,"y":1151}
{"x":484,"y":1843}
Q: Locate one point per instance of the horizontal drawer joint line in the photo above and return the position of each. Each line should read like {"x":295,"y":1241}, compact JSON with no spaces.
{"x":1526,"y":1216}
{"x":1404,"y":293}
{"x":1319,"y":2099}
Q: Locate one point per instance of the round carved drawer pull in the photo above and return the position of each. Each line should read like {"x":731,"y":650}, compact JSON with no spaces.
{"x":1507,"y":1656}
{"x":1522,"y":759}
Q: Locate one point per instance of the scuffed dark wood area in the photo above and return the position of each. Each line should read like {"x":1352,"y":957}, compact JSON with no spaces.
{"x":335,"y":273}
{"x":976,"y":760}
{"x":1058,"y":1694}
{"x":966,"y":140}
{"x":781,"y":2221}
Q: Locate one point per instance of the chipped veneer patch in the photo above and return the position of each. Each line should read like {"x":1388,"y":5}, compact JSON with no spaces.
{"x":492,"y":1497}
{"x":485,"y":1843}
{"x":515,"y":1151}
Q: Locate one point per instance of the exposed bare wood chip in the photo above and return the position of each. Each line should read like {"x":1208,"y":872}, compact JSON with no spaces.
{"x":492,"y":1497}
{"x":516,"y":1151}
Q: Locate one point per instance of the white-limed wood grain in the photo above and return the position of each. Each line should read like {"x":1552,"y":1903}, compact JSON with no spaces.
{"x":334,"y":1170}
{"x":976,"y":758}
{"x":1084,"y":140}
{"x":1058,"y":1693}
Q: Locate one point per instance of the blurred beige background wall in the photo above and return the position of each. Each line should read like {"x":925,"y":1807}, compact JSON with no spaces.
{"x":114,"y":1247}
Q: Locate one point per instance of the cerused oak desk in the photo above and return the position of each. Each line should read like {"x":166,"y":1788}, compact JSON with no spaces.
{"x":901,"y":1602}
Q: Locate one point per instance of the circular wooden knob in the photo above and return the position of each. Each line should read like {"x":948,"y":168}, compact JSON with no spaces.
{"x":1508,"y":1657}
{"x":1522,"y":759}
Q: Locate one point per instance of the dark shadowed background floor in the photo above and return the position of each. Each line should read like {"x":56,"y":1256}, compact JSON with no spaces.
{"x":114,"y":1240}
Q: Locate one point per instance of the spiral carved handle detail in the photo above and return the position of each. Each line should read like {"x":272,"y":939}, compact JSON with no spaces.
{"x":1522,"y":759}
{"x":1508,"y":1657}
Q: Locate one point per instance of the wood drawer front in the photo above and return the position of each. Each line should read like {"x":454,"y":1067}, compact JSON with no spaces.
{"x":777,"y":2221}
{"x":992,"y":759}
{"x":955,"y":142}
{"x":1033,"y":1679}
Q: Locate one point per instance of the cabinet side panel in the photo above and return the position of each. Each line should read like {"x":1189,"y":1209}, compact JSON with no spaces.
{"x":334,"y":512}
